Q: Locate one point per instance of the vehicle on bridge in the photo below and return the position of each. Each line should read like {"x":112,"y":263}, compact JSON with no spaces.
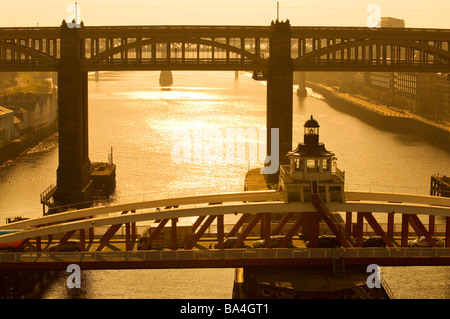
{"x":229,"y":243}
{"x":275,"y":242}
{"x":327,"y":241}
{"x":11,"y":245}
{"x":70,"y":245}
{"x":374,"y":241}
{"x":423,"y":242}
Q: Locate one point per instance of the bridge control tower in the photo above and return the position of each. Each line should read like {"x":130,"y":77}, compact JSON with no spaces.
{"x":312,"y":170}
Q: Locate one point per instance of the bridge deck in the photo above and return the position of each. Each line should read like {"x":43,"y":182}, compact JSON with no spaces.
{"x":225,"y":258}
{"x":206,"y":209}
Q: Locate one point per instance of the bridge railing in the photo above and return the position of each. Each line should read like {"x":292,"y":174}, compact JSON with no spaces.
{"x":211,"y":232}
{"x":379,"y":188}
{"x":147,"y":196}
{"x":225,"y":254}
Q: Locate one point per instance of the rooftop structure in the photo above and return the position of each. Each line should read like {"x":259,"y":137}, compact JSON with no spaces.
{"x":312,"y":169}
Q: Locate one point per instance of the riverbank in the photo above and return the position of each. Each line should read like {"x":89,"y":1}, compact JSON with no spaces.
{"x":24,"y":142}
{"x":383,"y":117}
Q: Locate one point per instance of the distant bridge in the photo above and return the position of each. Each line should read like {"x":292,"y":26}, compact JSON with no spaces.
{"x":251,"y":209}
{"x":248,"y":48}
{"x":273,"y":52}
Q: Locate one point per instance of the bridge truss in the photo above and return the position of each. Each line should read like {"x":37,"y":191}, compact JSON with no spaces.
{"x":252,"y":210}
{"x":227,"y":48}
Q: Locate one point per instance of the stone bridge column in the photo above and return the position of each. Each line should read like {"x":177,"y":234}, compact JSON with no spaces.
{"x":280,"y":91}
{"x":73,"y":174}
{"x":301,"y":81}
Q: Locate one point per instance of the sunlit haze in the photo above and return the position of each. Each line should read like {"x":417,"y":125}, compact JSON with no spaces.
{"x":419,"y":14}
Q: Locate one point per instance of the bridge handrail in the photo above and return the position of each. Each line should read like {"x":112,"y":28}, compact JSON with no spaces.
{"x":397,"y":198}
{"x":261,"y":205}
{"x":179,"y":201}
{"x":386,"y":287}
{"x":226,"y":254}
{"x":141,"y":197}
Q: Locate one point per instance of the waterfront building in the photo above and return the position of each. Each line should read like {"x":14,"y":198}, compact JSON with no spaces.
{"x":31,"y":110}
{"x":7,"y":130}
{"x":425,"y":94}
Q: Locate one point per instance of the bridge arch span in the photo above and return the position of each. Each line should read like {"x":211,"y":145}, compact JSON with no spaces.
{"x":226,"y":204}
{"x":212,"y":44}
{"x":13,"y":49}
{"x":369,"y":54}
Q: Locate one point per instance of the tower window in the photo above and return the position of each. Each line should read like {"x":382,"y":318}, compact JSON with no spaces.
{"x":311,"y":163}
{"x":311,"y":131}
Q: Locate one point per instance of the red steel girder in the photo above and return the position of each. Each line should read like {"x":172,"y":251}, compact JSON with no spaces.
{"x":22,"y":245}
{"x":220,"y":231}
{"x":447,"y":232}
{"x":405,"y":230}
{"x":173,"y":233}
{"x":63,"y":240}
{"x":359,"y":229}
{"x":153,"y":235}
{"x":420,"y":229}
{"x":238,"y":224}
{"x":127,"y":236}
{"x":265,"y":229}
{"x":281,"y":224}
{"x":197,"y":223}
{"x":109,"y":234}
{"x":325,"y":214}
{"x":390,"y":225}
{"x":38,"y":244}
{"x":348,"y":222}
{"x":82,"y":240}
{"x":300,"y":221}
{"x":247,"y":230}
{"x":377,"y":228}
{"x":200,"y":232}
{"x":431,"y":224}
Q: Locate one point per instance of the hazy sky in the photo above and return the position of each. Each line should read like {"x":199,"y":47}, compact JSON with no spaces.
{"x":416,"y":13}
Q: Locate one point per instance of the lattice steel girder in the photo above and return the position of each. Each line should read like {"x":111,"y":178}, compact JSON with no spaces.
{"x":377,"y":228}
{"x":281,"y":223}
{"x":447,"y":232}
{"x":64,"y":240}
{"x":42,"y":45}
{"x":238,"y":224}
{"x":256,"y":218}
{"x":325,"y":213}
{"x":294,"y":229}
{"x":154,"y":234}
{"x":109,"y":234}
{"x":420,"y":229}
{"x":200,"y":232}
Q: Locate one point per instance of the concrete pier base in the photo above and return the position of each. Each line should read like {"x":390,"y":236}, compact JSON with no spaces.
{"x":305,"y":282}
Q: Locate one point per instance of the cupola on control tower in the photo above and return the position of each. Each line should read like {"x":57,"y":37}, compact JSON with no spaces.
{"x":312,"y":168}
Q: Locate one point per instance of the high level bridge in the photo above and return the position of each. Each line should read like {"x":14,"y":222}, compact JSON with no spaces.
{"x":250,"y":210}
{"x":272,"y":52}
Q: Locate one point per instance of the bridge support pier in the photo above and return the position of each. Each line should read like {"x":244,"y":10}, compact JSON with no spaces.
{"x":279,"y":93}
{"x":310,"y":228}
{"x":74,"y":184}
{"x":301,"y":81}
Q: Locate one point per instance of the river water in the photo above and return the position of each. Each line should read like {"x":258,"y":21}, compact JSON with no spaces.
{"x":142,"y":122}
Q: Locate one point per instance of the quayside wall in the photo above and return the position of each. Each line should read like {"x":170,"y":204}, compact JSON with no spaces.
{"x":389,"y":121}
